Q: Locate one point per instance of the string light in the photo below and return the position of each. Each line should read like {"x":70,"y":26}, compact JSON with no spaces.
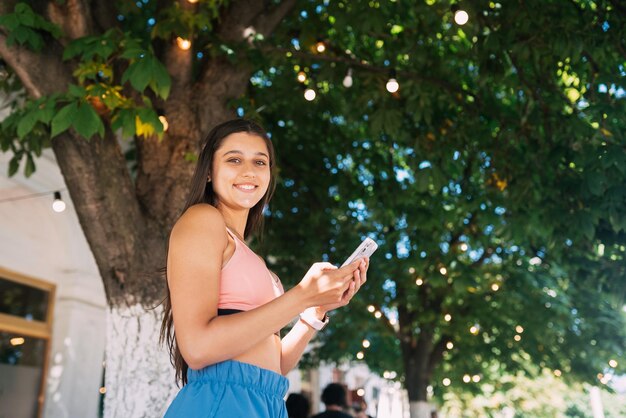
{"x":392,"y":84}
{"x":495,"y":287}
{"x":463,"y":247}
{"x":164,"y":123}
{"x":443,"y":271}
{"x":192,"y":1}
{"x":360,"y":355}
{"x":519,"y":329}
{"x":474,"y":329}
{"x":58,"y":205}
{"x":183,"y":44}
{"x":460,"y":16}
{"x":411,"y":270}
{"x":378,"y":314}
{"x":301,"y":76}
{"x":103,"y":390}
{"x":613,"y":363}
{"x":446,"y":382}
{"x":366,"y":344}
{"x":449,"y":345}
{"x":476,"y":378}
{"x":16,"y":341}
{"x":517,"y":337}
{"x":320,"y":46}
{"x":467,"y":378}
{"x":447,"y":317}
{"x":309,"y":94}
{"x":347,"y":80}
{"x":557,"y":373}
{"x":360,"y":392}
{"x":419,"y":281}
{"x":371,"y":308}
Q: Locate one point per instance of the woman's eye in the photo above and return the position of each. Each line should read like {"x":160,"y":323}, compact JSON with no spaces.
{"x":234,"y":160}
{"x":261,"y":162}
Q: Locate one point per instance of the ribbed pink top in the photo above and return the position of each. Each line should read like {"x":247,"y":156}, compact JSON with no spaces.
{"x":246,"y":282}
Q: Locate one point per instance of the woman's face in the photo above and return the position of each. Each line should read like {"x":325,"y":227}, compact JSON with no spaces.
{"x":240,"y":174}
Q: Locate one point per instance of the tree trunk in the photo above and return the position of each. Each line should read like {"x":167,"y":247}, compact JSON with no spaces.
{"x":419,"y":409}
{"x":139,"y":378}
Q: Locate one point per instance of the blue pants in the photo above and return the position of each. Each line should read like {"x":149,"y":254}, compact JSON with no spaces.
{"x":231,"y":389}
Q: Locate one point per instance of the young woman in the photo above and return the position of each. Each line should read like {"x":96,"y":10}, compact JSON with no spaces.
{"x":225,"y":306}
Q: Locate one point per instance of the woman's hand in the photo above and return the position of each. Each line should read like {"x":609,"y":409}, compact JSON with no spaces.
{"x":325,"y":284}
{"x":359,"y":277}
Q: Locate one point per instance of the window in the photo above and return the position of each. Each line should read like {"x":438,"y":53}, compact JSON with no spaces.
{"x":25,"y":329}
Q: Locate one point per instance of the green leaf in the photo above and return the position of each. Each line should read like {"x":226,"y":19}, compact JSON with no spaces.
{"x":63,"y":119}
{"x":124,"y":119}
{"x":29,"y":169}
{"x":14,"y":164}
{"x":87,"y":122}
{"x":139,"y":74}
{"x":26,"y":124}
{"x":161,"y":81}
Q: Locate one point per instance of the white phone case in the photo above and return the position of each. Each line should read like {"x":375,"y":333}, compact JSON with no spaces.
{"x":366,"y":249}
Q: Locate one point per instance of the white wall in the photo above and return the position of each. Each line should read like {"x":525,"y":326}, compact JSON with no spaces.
{"x":50,"y":246}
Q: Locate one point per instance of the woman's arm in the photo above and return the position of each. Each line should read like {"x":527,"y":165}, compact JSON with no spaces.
{"x":194,"y":265}
{"x":295,"y":342}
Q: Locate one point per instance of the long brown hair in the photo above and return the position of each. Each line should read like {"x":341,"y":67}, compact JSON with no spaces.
{"x":202,"y":192}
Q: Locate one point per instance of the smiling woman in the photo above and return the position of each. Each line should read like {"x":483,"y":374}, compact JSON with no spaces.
{"x":224,"y":308}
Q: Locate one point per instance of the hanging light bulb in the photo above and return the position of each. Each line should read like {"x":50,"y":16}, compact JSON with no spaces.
{"x":460,"y":16}
{"x":192,"y":1}
{"x":164,"y":123}
{"x":301,"y":76}
{"x":320,"y":46}
{"x":392,"y":84}
{"x":347,"y":80}
{"x":58,"y":205}
{"x":183,"y":43}
{"x":309,"y":94}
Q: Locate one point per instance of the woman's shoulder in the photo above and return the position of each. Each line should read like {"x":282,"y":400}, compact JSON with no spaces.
{"x":200,"y":217}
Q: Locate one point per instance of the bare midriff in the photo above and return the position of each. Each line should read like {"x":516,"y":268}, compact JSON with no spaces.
{"x":265,"y":354}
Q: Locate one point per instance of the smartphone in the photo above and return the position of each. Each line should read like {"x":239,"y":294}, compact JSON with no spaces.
{"x":366,"y":249}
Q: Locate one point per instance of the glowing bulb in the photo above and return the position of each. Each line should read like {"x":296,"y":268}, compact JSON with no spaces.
{"x":58,"y":205}
{"x":366,"y":343}
{"x":103,"y":390}
{"x":371,"y":308}
{"x":517,"y":337}
{"x":475,"y":378}
{"x":301,"y":76}
{"x":164,"y":123}
{"x":474,"y":329}
{"x":411,"y":270}
{"x":467,"y":378}
{"x":192,"y":1}
{"x":461,"y":17}
{"x":449,"y":345}
{"x":360,"y":355}
{"x":613,"y":363}
{"x":557,"y":373}
{"x":463,"y":247}
{"x":519,"y":329}
{"x":320,"y":47}
{"x":183,"y":44}
{"x":360,"y":392}
{"x":446,"y":382}
{"x":17,"y":341}
{"x":392,"y":85}
{"x":309,"y":94}
{"x":378,"y":314}
{"x":347,"y":80}
{"x":419,"y":282}
{"x":495,"y":287}
{"x":443,"y":271}
{"x":447,"y":317}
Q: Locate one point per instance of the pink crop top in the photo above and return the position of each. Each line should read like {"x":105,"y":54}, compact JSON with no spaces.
{"x":245,"y":281}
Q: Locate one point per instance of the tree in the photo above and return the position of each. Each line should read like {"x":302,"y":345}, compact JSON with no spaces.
{"x":484,"y":178}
